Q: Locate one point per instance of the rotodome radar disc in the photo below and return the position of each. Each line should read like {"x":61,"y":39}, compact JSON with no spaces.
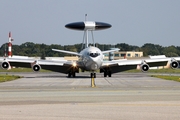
{"x":88,"y":25}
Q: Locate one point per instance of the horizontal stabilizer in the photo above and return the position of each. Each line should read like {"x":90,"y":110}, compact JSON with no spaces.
{"x":68,"y":52}
{"x":114,"y":50}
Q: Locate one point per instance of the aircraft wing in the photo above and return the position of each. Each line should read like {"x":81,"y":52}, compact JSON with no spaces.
{"x":62,"y":66}
{"x":123,"y":65}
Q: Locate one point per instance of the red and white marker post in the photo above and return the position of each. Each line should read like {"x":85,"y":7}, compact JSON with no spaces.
{"x":10,"y":45}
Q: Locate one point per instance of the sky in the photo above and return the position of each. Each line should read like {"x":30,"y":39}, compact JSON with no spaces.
{"x":134,"y":22}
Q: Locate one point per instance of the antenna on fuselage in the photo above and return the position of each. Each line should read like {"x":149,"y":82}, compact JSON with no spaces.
{"x":85,"y":17}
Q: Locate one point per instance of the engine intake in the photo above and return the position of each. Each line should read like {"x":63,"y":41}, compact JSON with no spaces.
{"x":144,"y":67}
{"x":36,"y":68}
{"x":174,"y":64}
{"x":5,"y":65}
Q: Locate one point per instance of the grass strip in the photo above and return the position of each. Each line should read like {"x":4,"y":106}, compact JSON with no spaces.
{"x":21,"y":70}
{"x":4,"y":78}
{"x":167,"y":77}
{"x":166,"y":70}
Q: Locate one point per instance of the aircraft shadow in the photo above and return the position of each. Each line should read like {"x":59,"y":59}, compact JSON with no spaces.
{"x":58,"y":77}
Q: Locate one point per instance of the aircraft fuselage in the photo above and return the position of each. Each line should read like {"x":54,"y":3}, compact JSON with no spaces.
{"x":91,"y":58}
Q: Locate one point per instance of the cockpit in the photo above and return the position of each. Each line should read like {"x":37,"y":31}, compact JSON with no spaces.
{"x":94,"y":54}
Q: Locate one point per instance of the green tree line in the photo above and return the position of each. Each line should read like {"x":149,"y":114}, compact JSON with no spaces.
{"x":35,"y":50}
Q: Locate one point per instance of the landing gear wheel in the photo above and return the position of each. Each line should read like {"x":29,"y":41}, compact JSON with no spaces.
{"x":94,"y":75}
{"x":109,"y":73}
{"x":91,"y":75}
{"x":69,"y":75}
{"x":105,"y":73}
{"x":73,"y":74}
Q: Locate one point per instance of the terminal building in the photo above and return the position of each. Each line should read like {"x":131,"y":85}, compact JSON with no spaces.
{"x":123,"y":55}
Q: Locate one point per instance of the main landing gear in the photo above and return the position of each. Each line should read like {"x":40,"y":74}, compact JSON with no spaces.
{"x":107,"y":73}
{"x":93,"y":76}
{"x":72,"y":73}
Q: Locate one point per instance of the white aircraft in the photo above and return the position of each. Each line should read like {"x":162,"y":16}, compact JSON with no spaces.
{"x":90,"y":58}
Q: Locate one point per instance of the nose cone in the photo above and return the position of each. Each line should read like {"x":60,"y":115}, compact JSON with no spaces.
{"x":94,"y":66}
{"x":88,"y":25}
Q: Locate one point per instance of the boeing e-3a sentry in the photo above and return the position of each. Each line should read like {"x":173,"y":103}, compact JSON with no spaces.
{"x":90,"y":58}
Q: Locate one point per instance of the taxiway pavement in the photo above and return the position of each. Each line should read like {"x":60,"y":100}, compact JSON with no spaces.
{"x":124,"y":96}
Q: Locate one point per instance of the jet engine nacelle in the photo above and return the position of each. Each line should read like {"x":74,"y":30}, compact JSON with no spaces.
{"x":144,"y":67}
{"x":36,"y":67}
{"x":5,"y":65}
{"x":174,"y":64}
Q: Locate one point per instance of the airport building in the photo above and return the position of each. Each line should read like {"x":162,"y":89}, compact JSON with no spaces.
{"x":123,"y":55}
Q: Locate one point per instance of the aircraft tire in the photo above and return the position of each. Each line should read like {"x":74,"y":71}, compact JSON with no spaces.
{"x":105,"y":74}
{"x":91,"y":75}
{"x":109,"y":74}
{"x":69,"y":75}
{"x":94,"y":75}
{"x":74,"y":74}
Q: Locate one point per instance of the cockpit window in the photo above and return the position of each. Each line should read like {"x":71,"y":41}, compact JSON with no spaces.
{"x":94,"y":54}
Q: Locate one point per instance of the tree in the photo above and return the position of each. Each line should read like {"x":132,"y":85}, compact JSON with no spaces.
{"x":43,"y":50}
{"x":170,"y":51}
{"x":151,"y":49}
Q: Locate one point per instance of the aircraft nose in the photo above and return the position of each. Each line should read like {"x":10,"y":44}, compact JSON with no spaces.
{"x":94,"y":66}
